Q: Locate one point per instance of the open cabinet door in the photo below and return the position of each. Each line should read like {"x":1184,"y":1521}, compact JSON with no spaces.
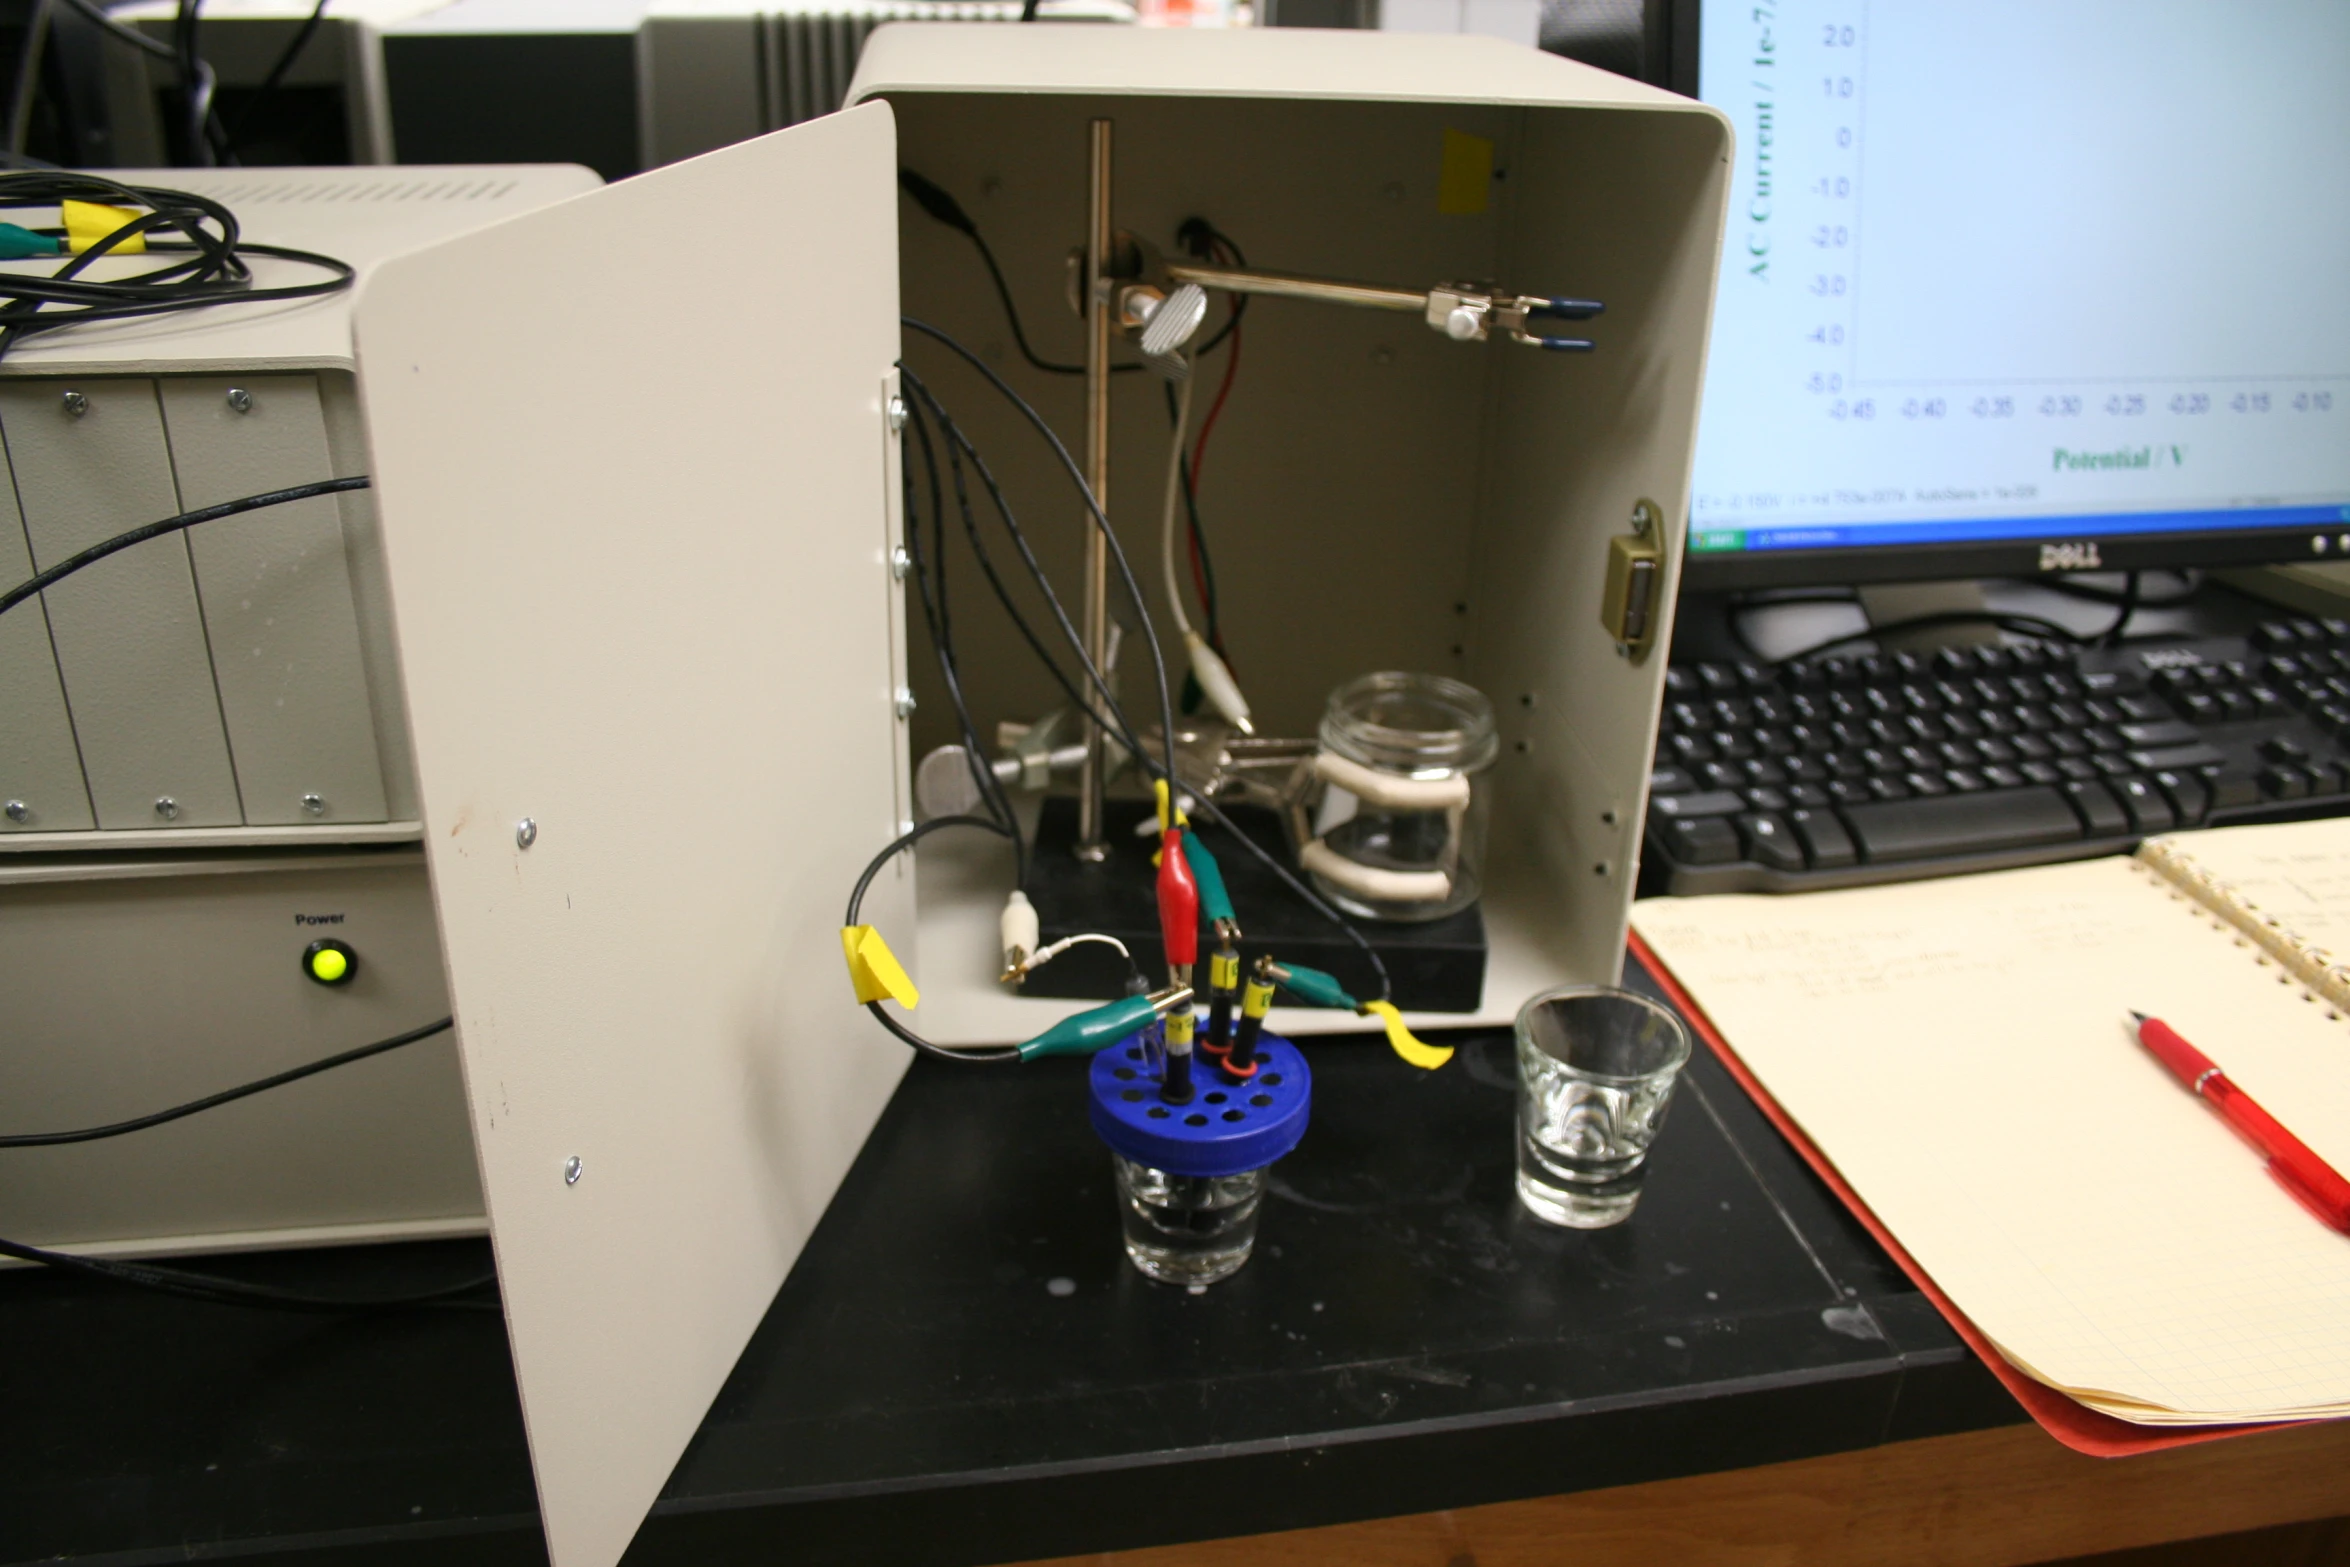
{"x":636,"y":483}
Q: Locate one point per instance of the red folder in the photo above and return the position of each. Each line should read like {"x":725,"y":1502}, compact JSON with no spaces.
{"x":2074,"y":1424}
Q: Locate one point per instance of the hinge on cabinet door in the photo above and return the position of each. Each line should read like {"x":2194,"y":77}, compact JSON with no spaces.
{"x":1635,"y":567}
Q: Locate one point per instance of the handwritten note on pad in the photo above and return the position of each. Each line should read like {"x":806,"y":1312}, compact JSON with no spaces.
{"x":1957,"y":1048}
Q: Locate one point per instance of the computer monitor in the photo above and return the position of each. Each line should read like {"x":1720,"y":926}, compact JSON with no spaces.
{"x":2013,"y":287}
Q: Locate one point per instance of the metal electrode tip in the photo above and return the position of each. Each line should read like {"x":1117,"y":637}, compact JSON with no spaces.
{"x":1167,"y":1000}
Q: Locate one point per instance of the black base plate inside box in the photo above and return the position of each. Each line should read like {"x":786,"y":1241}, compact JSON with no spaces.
{"x":1436,"y":966}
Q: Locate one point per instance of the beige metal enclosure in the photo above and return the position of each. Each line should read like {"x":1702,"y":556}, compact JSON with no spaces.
{"x":621,"y":665}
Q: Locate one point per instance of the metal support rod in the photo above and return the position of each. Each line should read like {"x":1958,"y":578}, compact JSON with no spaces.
{"x":1287,"y":285}
{"x":1098,"y":242}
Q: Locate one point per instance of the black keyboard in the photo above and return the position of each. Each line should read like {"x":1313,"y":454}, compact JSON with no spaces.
{"x":1834,"y":772}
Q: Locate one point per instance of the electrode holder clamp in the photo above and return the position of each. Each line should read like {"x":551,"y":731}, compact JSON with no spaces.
{"x":1225,"y":1129}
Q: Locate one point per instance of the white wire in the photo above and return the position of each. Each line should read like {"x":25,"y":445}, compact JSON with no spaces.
{"x":1167,"y":520}
{"x":1045,"y":955}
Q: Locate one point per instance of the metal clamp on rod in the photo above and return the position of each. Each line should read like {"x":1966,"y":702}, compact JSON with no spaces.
{"x":1464,"y":312}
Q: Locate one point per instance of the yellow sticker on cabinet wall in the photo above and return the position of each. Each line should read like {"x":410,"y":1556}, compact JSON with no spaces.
{"x":1464,"y":186}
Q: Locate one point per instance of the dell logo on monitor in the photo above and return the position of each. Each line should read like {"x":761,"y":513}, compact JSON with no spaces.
{"x":2068,"y":557}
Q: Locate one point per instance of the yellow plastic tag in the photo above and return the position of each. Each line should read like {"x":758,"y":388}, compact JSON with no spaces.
{"x":1159,"y":790}
{"x":1464,"y":183}
{"x":1426,"y":1057}
{"x":874,"y":969}
{"x":87,"y":222}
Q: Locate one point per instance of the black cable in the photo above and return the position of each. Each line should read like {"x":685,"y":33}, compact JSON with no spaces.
{"x":91,"y":1134}
{"x":197,"y":122}
{"x":2126,"y":608}
{"x":1200,"y":238}
{"x":186,"y":519}
{"x":213,"y":271}
{"x":1122,"y":726}
{"x":237,"y":1292}
{"x":277,"y":72}
{"x":935,"y":616}
{"x":2022,"y":625}
{"x":2190,"y":584}
{"x":897,"y":846}
{"x":1201,"y":803}
{"x":942,"y":206}
{"x":1101,"y":522}
{"x":986,"y":560}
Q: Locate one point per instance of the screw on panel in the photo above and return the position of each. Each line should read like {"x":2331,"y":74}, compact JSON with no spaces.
{"x":905,"y":702}
{"x":572,"y":1170}
{"x":18,"y":811}
{"x":526,"y":833}
{"x":900,"y":563}
{"x":167,"y":808}
{"x":897,"y":414}
{"x":314,"y":804}
{"x":76,"y":404}
{"x":240,"y":400}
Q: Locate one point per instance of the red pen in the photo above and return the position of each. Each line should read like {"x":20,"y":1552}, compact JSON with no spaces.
{"x":2298,"y":1170}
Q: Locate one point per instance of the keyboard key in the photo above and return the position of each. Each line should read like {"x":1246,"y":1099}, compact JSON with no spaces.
{"x":1848,"y":791}
{"x":1825,"y":842}
{"x":2188,"y":794}
{"x":1718,"y":679}
{"x":2143,"y":708}
{"x":1702,"y":840}
{"x":2076,"y":767}
{"x":2097,"y":809}
{"x":2284,"y":782}
{"x":1770,"y":843}
{"x":2040,"y":772}
{"x":1689,"y":750}
{"x":2176,"y":757}
{"x":1681,"y":682}
{"x":1681,"y":807}
{"x":1810,"y":797}
{"x":2149,"y":811}
{"x":1963,"y":824}
{"x":1723,"y":775}
{"x":1766,"y":799}
{"x":2231,"y":790}
{"x":2168,"y":731}
{"x":1671,"y":780}
{"x":1926,"y":784}
{"x":1888,"y":789}
{"x":1963,"y":780}
{"x":2284,"y":748}
{"x":2114,"y":764}
{"x":2099,"y":739}
{"x":2004,"y":778}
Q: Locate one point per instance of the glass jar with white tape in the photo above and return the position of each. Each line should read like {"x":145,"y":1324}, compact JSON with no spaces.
{"x":1391,"y":811}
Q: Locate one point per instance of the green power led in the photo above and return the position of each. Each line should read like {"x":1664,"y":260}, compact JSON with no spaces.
{"x":329,"y":962}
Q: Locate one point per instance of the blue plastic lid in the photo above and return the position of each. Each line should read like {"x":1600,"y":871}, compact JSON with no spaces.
{"x":1228,"y":1127}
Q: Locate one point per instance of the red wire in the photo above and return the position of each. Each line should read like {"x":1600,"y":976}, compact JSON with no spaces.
{"x":1199,"y":449}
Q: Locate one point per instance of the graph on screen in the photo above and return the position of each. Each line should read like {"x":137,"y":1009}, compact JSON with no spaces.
{"x":2018,"y":268}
